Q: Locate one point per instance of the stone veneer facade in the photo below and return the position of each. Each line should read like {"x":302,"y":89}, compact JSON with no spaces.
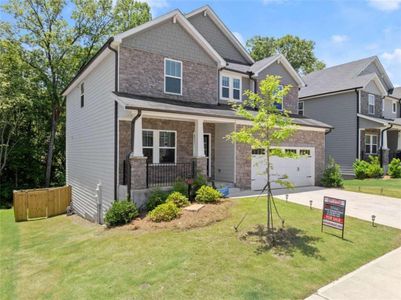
{"x":184,"y":147}
{"x":142,"y":73}
{"x":378,"y":105}
{"x":301,"y":138}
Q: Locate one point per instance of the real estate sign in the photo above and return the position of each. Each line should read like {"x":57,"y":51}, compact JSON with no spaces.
{"x":334,"y":213}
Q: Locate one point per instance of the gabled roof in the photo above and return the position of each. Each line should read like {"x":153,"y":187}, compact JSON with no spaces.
{"x":213,"y":16}
{"x":396,"y":93}
{"x":376,"y":61}
{"x":340,"y":78}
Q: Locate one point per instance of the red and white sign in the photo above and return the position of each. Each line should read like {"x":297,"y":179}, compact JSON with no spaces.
{"x":333,"y":213}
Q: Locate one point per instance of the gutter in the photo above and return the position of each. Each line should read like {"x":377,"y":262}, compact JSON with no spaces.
{"x":115,"y":117}
{"x":129,"y":154}
{"x":381,"y":144}
{"x":329,"y":93}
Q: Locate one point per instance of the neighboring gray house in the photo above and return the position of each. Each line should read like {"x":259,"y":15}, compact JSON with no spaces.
{"x":360,"y":102}
{"x":151,"y":107}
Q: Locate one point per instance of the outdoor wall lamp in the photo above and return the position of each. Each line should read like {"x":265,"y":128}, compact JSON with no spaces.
{"x":373,"y":220}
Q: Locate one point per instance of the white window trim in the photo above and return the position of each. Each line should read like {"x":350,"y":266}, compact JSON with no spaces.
{"x":176,"y":77}
{"x":230,"y":87}
{"x":394,"y":105}
{"x":156,"y":145}
{"x":303,"y":108}
{"x":370,"y":96}
{"x":371,"y":143}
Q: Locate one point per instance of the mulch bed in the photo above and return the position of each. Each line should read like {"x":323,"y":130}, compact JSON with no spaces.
{"x":207,"y":215}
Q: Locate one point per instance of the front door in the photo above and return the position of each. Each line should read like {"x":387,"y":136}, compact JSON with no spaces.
{"x":206,"y":145}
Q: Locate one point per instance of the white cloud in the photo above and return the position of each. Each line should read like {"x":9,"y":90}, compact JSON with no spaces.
{"x":239,"y":37}
{"x":385,"y":5}
{"x":394,"y":56}
{"x":392,"y":63}
{"x":156,"y":5}
{"x":339,"y":38}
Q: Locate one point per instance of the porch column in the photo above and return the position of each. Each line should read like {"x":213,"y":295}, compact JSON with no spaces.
{"x":199,"y":149}
{"x":384,"y":145}
{"x":138,"y":151}
{"x":137,"y":160}
{"x":399,"y":141}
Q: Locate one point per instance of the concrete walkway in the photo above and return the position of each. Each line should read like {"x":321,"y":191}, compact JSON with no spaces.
{"x":381,"y":278}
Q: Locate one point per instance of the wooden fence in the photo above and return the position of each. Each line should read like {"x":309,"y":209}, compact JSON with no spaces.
{"x":41,"y":203}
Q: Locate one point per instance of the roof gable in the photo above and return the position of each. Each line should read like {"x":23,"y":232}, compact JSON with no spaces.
{"x":375,"y":66}
{"x":219,"y":36}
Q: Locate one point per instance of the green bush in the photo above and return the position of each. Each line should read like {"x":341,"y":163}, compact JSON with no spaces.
{"x":180,"y":186}
{"x":164,"y":212}
{"x":207,"y":194}
{"x":156,"y":198}
{"x":394,"y":168}
{"x":198,"y":182}
{"x":178,"y":199}
{"x":120,"y":213}
{"x":332,"y":175}
{"x":374,"y":169}
{"x":360,"y":169}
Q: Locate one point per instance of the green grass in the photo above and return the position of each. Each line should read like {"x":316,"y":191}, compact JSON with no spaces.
{"x":385,"y":187}
{"x":61,"y":258}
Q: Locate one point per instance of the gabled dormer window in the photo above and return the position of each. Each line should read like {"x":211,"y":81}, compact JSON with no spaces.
{"x":230,"y":88}
{"x":82,"y":88}
{"x":172,"y":76}
{"x":371,"y":104}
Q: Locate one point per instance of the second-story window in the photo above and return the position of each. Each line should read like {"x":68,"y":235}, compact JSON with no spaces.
{"x":279,"y":103}
{"x":172,"y":76}
{"x":371,"y":104}
{"x":82,"y":94}
{"x":301,"y":108}
{"x":230,"y":88}
{"x":394,"y":105}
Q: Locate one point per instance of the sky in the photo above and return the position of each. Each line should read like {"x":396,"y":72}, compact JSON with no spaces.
{"x":343,"y":30}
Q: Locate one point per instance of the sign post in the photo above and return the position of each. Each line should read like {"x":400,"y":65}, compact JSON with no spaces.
{"x":334,"y":214}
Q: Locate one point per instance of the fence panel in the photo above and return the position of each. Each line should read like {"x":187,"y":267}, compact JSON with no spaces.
{"x":41,"y":203}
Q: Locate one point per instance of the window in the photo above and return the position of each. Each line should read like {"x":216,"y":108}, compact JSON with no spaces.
{"x":371,"y":144}
{"x":230,"y":88}
{"x":279,"y":104}
{"x":82,"y":94}
{"x":371,"y":104}
{"x":172,"y":76}
{"x":394,"y":107}
{"x":294,"y":151}
{"x":159,"y":146}
{"x":301,"y":108}
{"x":304,"y":152}
{"x":259,"y":151}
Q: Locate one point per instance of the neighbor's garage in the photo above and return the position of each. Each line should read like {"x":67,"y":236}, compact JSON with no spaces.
{"x":300,"y":170}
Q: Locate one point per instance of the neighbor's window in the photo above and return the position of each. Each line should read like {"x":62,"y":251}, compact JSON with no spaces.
{"x":230,"y":88}
{"x":301,"y":108}
{"x":167,"y":147}
{"x":279,"y":103}
{"x":172,"y":76}
{"x":371,"y":144}
{"x":394,"y":107}
{"x":147,"y":144}
{"x":82,"y":94}
{"x":371,"y":104}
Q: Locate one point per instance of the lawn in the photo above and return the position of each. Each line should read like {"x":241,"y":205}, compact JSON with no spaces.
{"x":66,"y":258}
{"x":386,"y":187}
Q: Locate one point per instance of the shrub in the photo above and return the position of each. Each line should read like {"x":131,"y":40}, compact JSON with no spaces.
{"x":180,"y":186}
{"x":164,"y":212}
{"x":198,"y":182}
{"x":178,"y":199}
{"x":207,"y":194}
{"x":156,"y":198}
{"x":360,"y":169}
{"x":332,"y":175}
{"x":374,"y":169}
{"x":394,"y":168}
{"x":120,"y":213}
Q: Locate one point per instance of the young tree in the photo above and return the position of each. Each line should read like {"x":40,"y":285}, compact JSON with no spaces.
{"x":55,"y":44}
{"x":269,"y":127}
{"x":299,"y":52}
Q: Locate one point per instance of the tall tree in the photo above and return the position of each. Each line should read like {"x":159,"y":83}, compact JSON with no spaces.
{"x":269,"y":127}
{"x":54,"y":44}
{"x":299,"y":52}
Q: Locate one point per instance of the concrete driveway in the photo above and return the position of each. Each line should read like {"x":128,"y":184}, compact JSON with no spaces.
{"x":362,"y":206}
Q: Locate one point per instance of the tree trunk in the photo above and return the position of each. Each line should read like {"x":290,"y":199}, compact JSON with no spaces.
{"x":50,"y":150}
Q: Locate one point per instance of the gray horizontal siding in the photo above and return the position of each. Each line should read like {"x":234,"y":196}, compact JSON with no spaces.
{"x":340,"y":112}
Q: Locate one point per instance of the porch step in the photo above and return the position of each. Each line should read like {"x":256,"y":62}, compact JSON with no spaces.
{"x":234,"y":190}
{"x":346,"y":170}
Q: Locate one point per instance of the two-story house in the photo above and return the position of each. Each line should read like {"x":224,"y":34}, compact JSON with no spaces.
{"x":360,"y":102}
{"x":152,"y":106}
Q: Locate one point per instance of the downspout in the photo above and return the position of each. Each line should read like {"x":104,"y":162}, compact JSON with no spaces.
{"x":357,"y":125}
{"x":381,"y":144}
{"x":328,"y":131}
{"x":250,"y":74}
{"x":138,"y":115}
{"x":115,"y":117}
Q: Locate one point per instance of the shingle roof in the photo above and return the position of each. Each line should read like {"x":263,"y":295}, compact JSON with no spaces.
{"x":337,"y":78}
{"x":130,"y":101}
{"x":396,"y":92}
{"x":257,"y":66}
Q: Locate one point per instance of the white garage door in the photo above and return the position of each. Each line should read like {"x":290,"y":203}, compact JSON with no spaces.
{"x":300,"y":170}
